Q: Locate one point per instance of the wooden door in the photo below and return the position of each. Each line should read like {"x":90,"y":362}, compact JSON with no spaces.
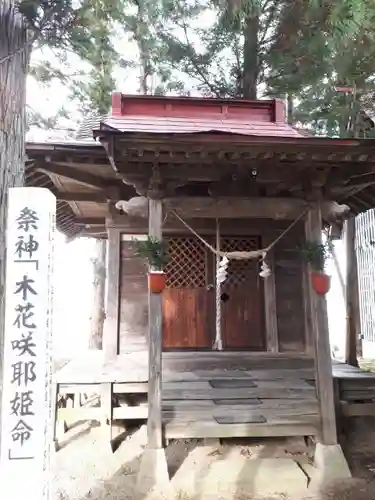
{"x":242,"y":299}
{"x":188,"y":301}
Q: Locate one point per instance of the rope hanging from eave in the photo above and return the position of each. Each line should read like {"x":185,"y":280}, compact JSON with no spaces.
{"x":218,"y":344}
{"x":241,"y":255}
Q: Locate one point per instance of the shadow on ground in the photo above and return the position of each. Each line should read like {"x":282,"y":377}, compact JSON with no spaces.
{"x":88,"y":470}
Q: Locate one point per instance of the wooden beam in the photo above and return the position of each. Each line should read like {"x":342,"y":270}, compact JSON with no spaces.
{"x":195,"y":430}
{"x":352,"y":298}
{"x":78,"y":161}
{"x":90,"y":221}
{"x":95,"y":232}
{"x":320,"y":334}
{"x":154,"y":423}
{"x":191,"y":207}
{"x":270,"y":302}
{"x":216,"y":143}
{"x":73,"y":174}
{"x":95,"y":197}
{"x":361,"y":180}
{"x":112,"y":321}
{"x":172,"y":226}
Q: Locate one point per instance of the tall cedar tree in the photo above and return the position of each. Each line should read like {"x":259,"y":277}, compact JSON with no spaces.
{"x":254,"y":47}
{"x":95,"y":96}
{"x":91,"y":89}
{"x":93,"y":93}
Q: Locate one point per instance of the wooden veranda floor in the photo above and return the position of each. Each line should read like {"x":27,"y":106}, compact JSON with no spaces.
{"x":207,"y":394}
{"x":217,"y":394}
{"x":212,"y":394}
{"x":355,"y":390}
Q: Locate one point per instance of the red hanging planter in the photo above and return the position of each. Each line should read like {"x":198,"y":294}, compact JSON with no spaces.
{"x":320,"y":282}
{"x":156,"y":281}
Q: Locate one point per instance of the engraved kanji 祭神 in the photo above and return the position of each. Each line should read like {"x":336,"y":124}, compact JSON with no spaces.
{"x":23,"y":345}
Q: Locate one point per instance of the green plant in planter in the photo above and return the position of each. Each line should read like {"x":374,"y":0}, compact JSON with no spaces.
{"x":315,"y":254}
{"x":154,"y":251}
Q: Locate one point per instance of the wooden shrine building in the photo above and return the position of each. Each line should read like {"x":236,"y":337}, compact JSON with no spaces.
{"x":253,"y":359}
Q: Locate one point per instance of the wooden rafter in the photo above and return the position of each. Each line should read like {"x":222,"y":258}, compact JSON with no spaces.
{"x":95,"y":197}
{"x":86,"y":178}
{"x":90,"y":221}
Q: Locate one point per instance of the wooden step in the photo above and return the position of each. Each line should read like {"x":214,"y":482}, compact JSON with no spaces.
{"x":191,"y":430}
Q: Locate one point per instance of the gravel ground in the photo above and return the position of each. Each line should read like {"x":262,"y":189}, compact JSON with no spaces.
{"x":85,"y":467}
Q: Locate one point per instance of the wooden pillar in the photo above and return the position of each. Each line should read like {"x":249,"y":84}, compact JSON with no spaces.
{"x":352,"y":297}
{"x":106,"y":412}
{"x":270,"y":302}
{"x":154,"y":423}
{"x":306,"y":290}
{"x":320,"y":335}
{"x":111,"y":338}
{"x":98,"y":304}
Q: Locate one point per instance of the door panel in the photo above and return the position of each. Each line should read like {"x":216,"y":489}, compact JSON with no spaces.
{"x":186,"y":318}
{"x":188,"y":305}
{"x":242,"y":298}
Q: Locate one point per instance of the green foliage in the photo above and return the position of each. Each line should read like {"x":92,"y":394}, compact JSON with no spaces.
{"x":87,"y":31}
{"x":338,"y":52}
{"x":45,"y":72}
{"x":49,"y":21}
{"x":300,"y":48}
{"x":279,"y":45}
{"x":154,"y":251}
{"x":36,"y":119}
{"x":141,"y":22}
{"x":336,"y":113}
{"x":92,"y":42}
{"x":315,"y":254}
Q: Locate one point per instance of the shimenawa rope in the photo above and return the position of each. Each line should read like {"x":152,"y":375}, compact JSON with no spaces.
{"x":241,"y":255}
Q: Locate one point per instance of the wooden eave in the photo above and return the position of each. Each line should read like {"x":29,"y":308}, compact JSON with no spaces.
{"x":85,"y":177}
{"x":343,"y":168}
{"x":80,"y":176}
{"x":64,"y":216}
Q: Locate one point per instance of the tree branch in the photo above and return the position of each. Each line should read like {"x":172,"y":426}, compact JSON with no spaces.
{"x":270,"y":18}
{"x":266,"y":5}
{"x":197,"y":67}
{"x":18,"y":51}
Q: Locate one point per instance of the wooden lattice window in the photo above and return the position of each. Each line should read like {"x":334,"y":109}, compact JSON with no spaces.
{"x":186,"y":267}
{"x":240,"y":271}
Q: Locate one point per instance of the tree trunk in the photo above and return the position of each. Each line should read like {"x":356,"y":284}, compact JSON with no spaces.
{"x":251,"y":61}
{"x":98,"y":307}
{"x":141,"y":36}
{"x":290,"y":108}
{"x":13,"y":70}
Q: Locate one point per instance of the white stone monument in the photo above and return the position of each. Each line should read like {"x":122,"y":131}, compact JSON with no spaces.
{"x":27,"y":368}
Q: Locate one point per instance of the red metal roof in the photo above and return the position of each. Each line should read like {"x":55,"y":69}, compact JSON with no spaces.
{"x":188,"y":115}
{"x":179,"y":125}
